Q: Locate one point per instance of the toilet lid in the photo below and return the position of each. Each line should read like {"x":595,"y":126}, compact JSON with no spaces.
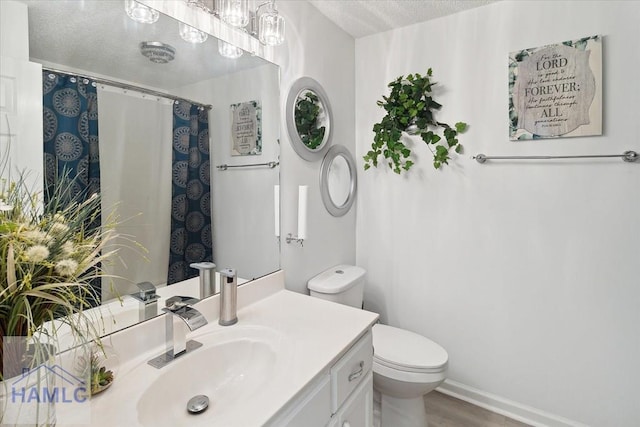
{"x":405,"y":350}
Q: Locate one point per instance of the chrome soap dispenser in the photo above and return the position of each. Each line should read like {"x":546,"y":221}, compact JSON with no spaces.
{"x":228,"y":297}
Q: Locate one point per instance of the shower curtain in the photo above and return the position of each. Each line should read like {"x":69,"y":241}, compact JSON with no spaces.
{"x":71,"y":156}
{"x":191,"y":237}
{"x":70,"y":127}
{"x":135,"y":151}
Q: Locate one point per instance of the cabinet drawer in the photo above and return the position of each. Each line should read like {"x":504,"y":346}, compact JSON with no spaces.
{"x":350,"y":370}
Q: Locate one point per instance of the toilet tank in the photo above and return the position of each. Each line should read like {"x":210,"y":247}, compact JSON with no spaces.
{"x":343,"y":284}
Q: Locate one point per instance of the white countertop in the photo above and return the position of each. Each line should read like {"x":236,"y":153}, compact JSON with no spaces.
{"x":315,"y":333}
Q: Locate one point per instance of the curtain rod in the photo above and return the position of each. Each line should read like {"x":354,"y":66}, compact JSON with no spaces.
{"x":126,"y":86}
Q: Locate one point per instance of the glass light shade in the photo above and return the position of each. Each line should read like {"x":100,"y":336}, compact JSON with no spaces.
{"x":140,"y":13}
{"x":234,"y":12}
{"x":228,"y":50}
{"x":192,"y":35}
{"x":271,"y":28}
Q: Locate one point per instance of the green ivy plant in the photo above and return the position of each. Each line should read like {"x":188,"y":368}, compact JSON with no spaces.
{"x":306,"y":115}
{"x":410,"y":108}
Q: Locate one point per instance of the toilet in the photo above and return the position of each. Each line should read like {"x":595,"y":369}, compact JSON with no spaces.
{"x":406,"y":365}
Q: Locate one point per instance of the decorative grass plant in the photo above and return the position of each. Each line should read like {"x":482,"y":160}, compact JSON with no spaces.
{"x":48,"y":258}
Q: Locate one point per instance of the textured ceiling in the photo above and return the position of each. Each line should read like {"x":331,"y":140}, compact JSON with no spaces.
{"x":364,"y":17}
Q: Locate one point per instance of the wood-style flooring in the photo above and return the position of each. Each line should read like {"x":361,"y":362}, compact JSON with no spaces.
{"x":447,"y":411}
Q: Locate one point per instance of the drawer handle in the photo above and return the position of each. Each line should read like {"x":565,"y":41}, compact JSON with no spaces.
{"x":357,"y":374}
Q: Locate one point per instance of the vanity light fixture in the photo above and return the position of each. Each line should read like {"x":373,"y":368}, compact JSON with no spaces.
{"x":265,"y":23}
{"x":270,"y":24}
{"x":192,"y":35}
{"x":202,"y":4}
{"x":233,"y":12}
{"x":228,"y":50}
{"x":140,"y":13}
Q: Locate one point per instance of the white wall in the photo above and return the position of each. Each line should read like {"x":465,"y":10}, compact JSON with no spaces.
{"x":316,"y":48}
{"x":526,"y":272}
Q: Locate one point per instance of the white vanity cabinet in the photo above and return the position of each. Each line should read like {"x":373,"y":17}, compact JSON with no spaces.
{"x":340,"y":397}
{"x":301,"y":362}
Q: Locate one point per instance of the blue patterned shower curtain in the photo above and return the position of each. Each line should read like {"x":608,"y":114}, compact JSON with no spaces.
{"x":191,"y":238}
{"x":71,"y":156}
{"x":70,"y":127}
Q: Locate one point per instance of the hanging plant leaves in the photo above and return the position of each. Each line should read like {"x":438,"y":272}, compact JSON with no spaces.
{"x":410,"y":108}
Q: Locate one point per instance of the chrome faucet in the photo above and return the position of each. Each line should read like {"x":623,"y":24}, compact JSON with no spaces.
{"x":179,"y":313}
{"x":147,"y":300}
{"x":207,"y":278}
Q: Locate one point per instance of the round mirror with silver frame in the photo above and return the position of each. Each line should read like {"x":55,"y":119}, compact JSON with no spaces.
{"x":309,"y":119}
{"x":338,"y":180}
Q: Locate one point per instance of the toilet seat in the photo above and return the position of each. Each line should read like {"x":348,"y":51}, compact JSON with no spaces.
{"x":405,"y":351}
{"x":408,"y":369}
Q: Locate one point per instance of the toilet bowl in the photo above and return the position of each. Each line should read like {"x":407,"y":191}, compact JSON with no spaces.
{"x":406,"y":365}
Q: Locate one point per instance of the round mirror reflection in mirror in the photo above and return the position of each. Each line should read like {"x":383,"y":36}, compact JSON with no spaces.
{"x":338,"y":180}
{"x":308,"y":116}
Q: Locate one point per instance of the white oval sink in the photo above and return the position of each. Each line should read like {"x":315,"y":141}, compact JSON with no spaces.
{"x":231,"y":367}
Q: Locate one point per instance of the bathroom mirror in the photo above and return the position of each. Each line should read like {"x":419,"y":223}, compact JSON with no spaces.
{"x":97,"y":39}
{"x":338,"y":180}
{"x":309,"y":119}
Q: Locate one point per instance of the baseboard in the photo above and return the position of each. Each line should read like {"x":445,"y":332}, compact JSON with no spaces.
{"x":502,"y":406}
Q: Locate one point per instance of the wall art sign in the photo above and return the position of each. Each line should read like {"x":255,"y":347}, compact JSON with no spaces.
{"x":556,"y":91}
{"x":246,"y":128}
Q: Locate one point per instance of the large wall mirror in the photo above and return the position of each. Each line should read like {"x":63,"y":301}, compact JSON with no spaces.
{"x":97,"y":39}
